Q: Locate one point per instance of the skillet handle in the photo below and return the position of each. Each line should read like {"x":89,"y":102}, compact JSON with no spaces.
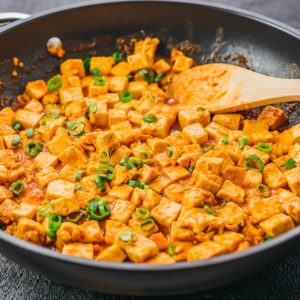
{"x":8,"y":17}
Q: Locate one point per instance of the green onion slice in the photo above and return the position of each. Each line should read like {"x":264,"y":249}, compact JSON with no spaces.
{"x":98,"y":209}
{"x":170,"y":151}
{"x":200,"y":108}
{"x":117,"y":57}
{"x":52,"y":113}
{"x":126,"y":236}
{"x":81,"y":214}
{"x":54,"y":222}
{"x":99,"y":81}
{"x":78,"y":188}
{"x":134,"y":183}
{"x":17,"y":187}
{"x":30,"y":132}
{"x":16,"y":140}
{"x":223,"y":203}
{"x":130,"y":163}
{"x":263,"y":147}
{"x":93,"y":107}
{"x":206,"y":148}
{"x":209,"y":210}
{"x":268,"y":238}
{"x":95,"y":72}
{"x":263,"y":190}
{"x":147,"y":75}
{"x":225,"y":140}
{"x":54,"y":83}
{"x":149,"y":118}
{"x":290,"y":164}
{"x":142,"y":213}
{"x":147,"y":225}
{"x":100,"y":184}
{"x":254,"y":158}
{"x":44,"y":211}
{"x":243,"y":141}
{"x":103,"y":158}
{"x":51,"y":233}
{"x":72,"y":127}
{"x":171,"y":249}
{"x":86,"y":63}
{"x":79,"y":174}
{"x":191,"y":169}
{"x":140,"y":155}
{"x":108,"y":176}
{"x":126,"y":96}
{"x":16,"y":126}
{"x":43,"y":122}
{"x":159,"y":77}
{"x":37,"y":146}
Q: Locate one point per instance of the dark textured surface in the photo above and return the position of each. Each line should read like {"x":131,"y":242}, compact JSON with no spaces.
{"x":280,"y":282}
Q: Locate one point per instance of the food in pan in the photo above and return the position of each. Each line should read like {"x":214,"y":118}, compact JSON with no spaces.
{"x":100,"y":162}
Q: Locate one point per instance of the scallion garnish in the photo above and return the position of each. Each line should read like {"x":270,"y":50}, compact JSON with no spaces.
{"x":243,"y":141}
{"x":209,"y":210}
{"x":37,"y":146}
{"x":72,"y":126}
{"x":126,"y":236}
{"x":95,"y":72}
{"x":254,"y":158}
{"x":30,"y":132}
{"x":17,"y":187}
{"x":225,"y":140}
{"x":171,"y":249}
{"x":52,"y":113}
{"x":93,"y":107}
{"x":16,"y":126}
{"x":147,"y":225}
{"x":126,"y":96}
{"x":147,"y":75}
{"x":149,"y":118}
{"x":109,"y":175}
{"x":263,"y":190}
{"x":140,"y":156}
{"x":170,"y":151}
{"x":159,"y":77}
{"x":54,"y":83}
{"x":103,"y":158}
{"x":117,"y":57}
{"x":290,"y":164}
{"x":99,"y":81}
{"x":16,"y":140}
{"x":76,"y":220}
{"x":79,"y":174}
{"x":142,"y":213}
{"x":263,"y":147}
{"x":86,"y":63}
{"x":98,"y":209}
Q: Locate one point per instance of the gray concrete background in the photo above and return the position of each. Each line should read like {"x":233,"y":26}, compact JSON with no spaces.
{"x":282,"y":281}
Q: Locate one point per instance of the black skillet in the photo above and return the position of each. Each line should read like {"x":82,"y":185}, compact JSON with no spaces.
{"x":265,"y":45}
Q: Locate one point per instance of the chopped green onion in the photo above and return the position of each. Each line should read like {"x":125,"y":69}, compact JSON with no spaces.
{"x":43,"y":122}
{"x":37,"y":148}
{"x":224,"y":203}
{"x":170,"y":151}
{"x":260,"y":188}
{"x":54,"y":222}
{"x":147,"y":225}
{"x":290,"y":164}
{"x":79,"y":174}
{"x":149,"y":118}
{"x":99,"y":81}
{"x":134,"y":183}
{"x":140,"y":154}
{"x":151,"y":188}
{"x":95,"y":72}
{"x":159,"y":77}
{"x":86,"y":63}
{"x":206,"y":148}
{"x":51,"y":233}
{"x":93,"y":107}
{"x":107,"y":176}
{"x":117,"y":57}
{"x":200,"y":108}
{"x":30,"y":132}
{"x":52,"y":113}
{"x":126,"y":236}
{"x":268,"y":238}
{"x":147,"y":75}
{"x":17,"y":187}
{"x":191,"y":169}
{"x":65,"y":106}
{"x":142,"y":213}
{"x":263,"y":147}
{"x":54,"y":83}
{"x":100,"y":206}
{"x":43,"y":210}
{"x":209,"y":210}
{"x":106,"y":156}
{"x":72,"y":126}
{"x":225,"y":140}
{"x":243,"y":141}
{"x":171,"y":249}
{"x":78,"y":188}
{"x":100,"y":184}
{"x":129,"y":163}
{"x":16,"y":140}
{"x":16,"y":126}
{"x":126,"y":96}
{"x":80,"y":216}
{"x":250,"y":158}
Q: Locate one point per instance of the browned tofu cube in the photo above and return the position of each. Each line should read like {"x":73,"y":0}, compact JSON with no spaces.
{"x":188,"y":117}
{"x":76,"y":109}
{"x":69,"y":173}
{"x":175,"y":192}
{"x":65,"y":206}
{"x":7,"y":116}
{"x":121,"y":69}
{"x":122,"y":191}
{"x":73,"y":156}
{"x":138,"y":61}
{"x":60,"y":189}
{"x":160,"y":240}
{"x":45,"y":160}
{"x":273,"y":177}
{"x":277,"y":225}
{"x":34,"y":106}
{"x":229,"y":239}
{"x":252,"y":178}
{"x":208,"y":165}
{"x":102,"y":63}
{"x":235,"y":174}
{"x":251,"y":126}
{"x":100,"y":117}
{"x":36,"y":89}
{"x":27,"y":118}
{"x":117,"y":84}
{"x":161,"y":66}
{"x":9,"y":139}
{"x":5,"y":194}
{"x":122,"y":211}
{"x":90,"y":232}
{"x":292,"y":208}
{"x":151,"y":199}
{"x":70,"y":94}
{"x":25,"y":210}
{"x":216,"y":131}
{"x":79,"y":250}
{"x":231,"y":192}
{"x":72,"y":67}
{"x":112,"y":229}
{"x":161,"y":258}
{"x":116,"y":116}
{"x":160,"y":183}
{"x":273,"y":116}
{"x":166,"y":212}
{"x":176,"y":173}
{"x":58,"y":144}
{"x":45,"y":176}
{"x":196,"y":133}
{"x":209,"y":182}
{"x":74,"y":81}
{"x":137,"y":88}
{"x":160,"y":128}
{"x":147,"y":174}
{"x":182,"y":63}
{"x":231,"y":121}
{"x":293,"y":179}
{"x":157,"y":145}
{"x":250,"y":150}
{"x":205,"y":250}
{"x":112,"y":253}
{"x":197,"y":197}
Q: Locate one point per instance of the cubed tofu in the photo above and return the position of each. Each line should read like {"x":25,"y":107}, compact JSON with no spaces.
{"x":160,"y":128}
{"x":209,"y":182}
{"x":137,"y":196}
{"x":65,"y":206}
{"x":196,"y":133}
{"x":231,"y":121}
{"x":208,"y":165}
{"x":138,"y":250}
{"x":205,"y":250}
{"x":160,"y":183}
{"x":7,"y":116}
{"x":229,"y":239}
{"x":252,"y":178}
{"x":273,"y":177}
{"x":160,"y":259}
{"x":254,"y":126}
{"x":76,"y":109}
{"x":147,"y":174}
{"x":45,"y":160}
{"x":100,"y":117}
{"x":79,"y":250}
{"x":157,"y":145}
{"x":264,"y":208}
{"x":137,"y":88}
{"x":292,"y":208}
{"x":34,"y":106}
{"x":166,"y":212}
{"x":116,"y":116}
{"x":122,"y":175}
{"x":188,"y":117}
{"x":176,"y":172}
{"x":6,"y":211}
{"x":138,"y":61}
{"x":73,"y":156}
{"x":102,"y":63}
{"x":277,"y":225}
{"x":72,"y":67}
{"x":112,"y":253}
{"x":197,"y":197}
{"x":293,"y":179}
{"x":231,"y":192}
{"x":273,"y":116}
{"x":161,"y":66}
{"x":235,"y":174}
{"x":50,"y":98}
{"x":294,"y":134}
{"x":36,"y":89}
{"x":117,"y":84}
{"x":58,"y":144}
{"x":25,"y":210}
{"x":48,"y":131}
{"x":45,"y":176}
{"x":160,"y":240}
{"x":122,"y":211}
{"x":67,"y":233}
{"x":112,"y":229}
{"x":8,"y":141}
{"x":122,"y":191}
{"x":70,"y":94}
{"x":5,"y":193}
{"x":30,"y":231}
{"x":182,"y":63}
{"x":28,"y":119}
{"x":74,"y":81}
{"x":69,"y":173}
{"x":16,"y":173}
{"x":216,"y":131}
{"x":91,"y":232}
{"x":121,"y":69}
{"x":175,"y":192}
{"x":60,"y":189}
{"x":96,"y":90}
{"x":151,"y":199}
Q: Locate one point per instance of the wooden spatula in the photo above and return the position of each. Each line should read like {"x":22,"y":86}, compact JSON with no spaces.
{"x":228,"y":88}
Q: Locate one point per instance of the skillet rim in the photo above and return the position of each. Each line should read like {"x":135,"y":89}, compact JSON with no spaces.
{"x":265,"y":247}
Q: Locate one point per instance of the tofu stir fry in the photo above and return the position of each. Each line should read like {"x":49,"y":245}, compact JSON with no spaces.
{"x":100,"y":162}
